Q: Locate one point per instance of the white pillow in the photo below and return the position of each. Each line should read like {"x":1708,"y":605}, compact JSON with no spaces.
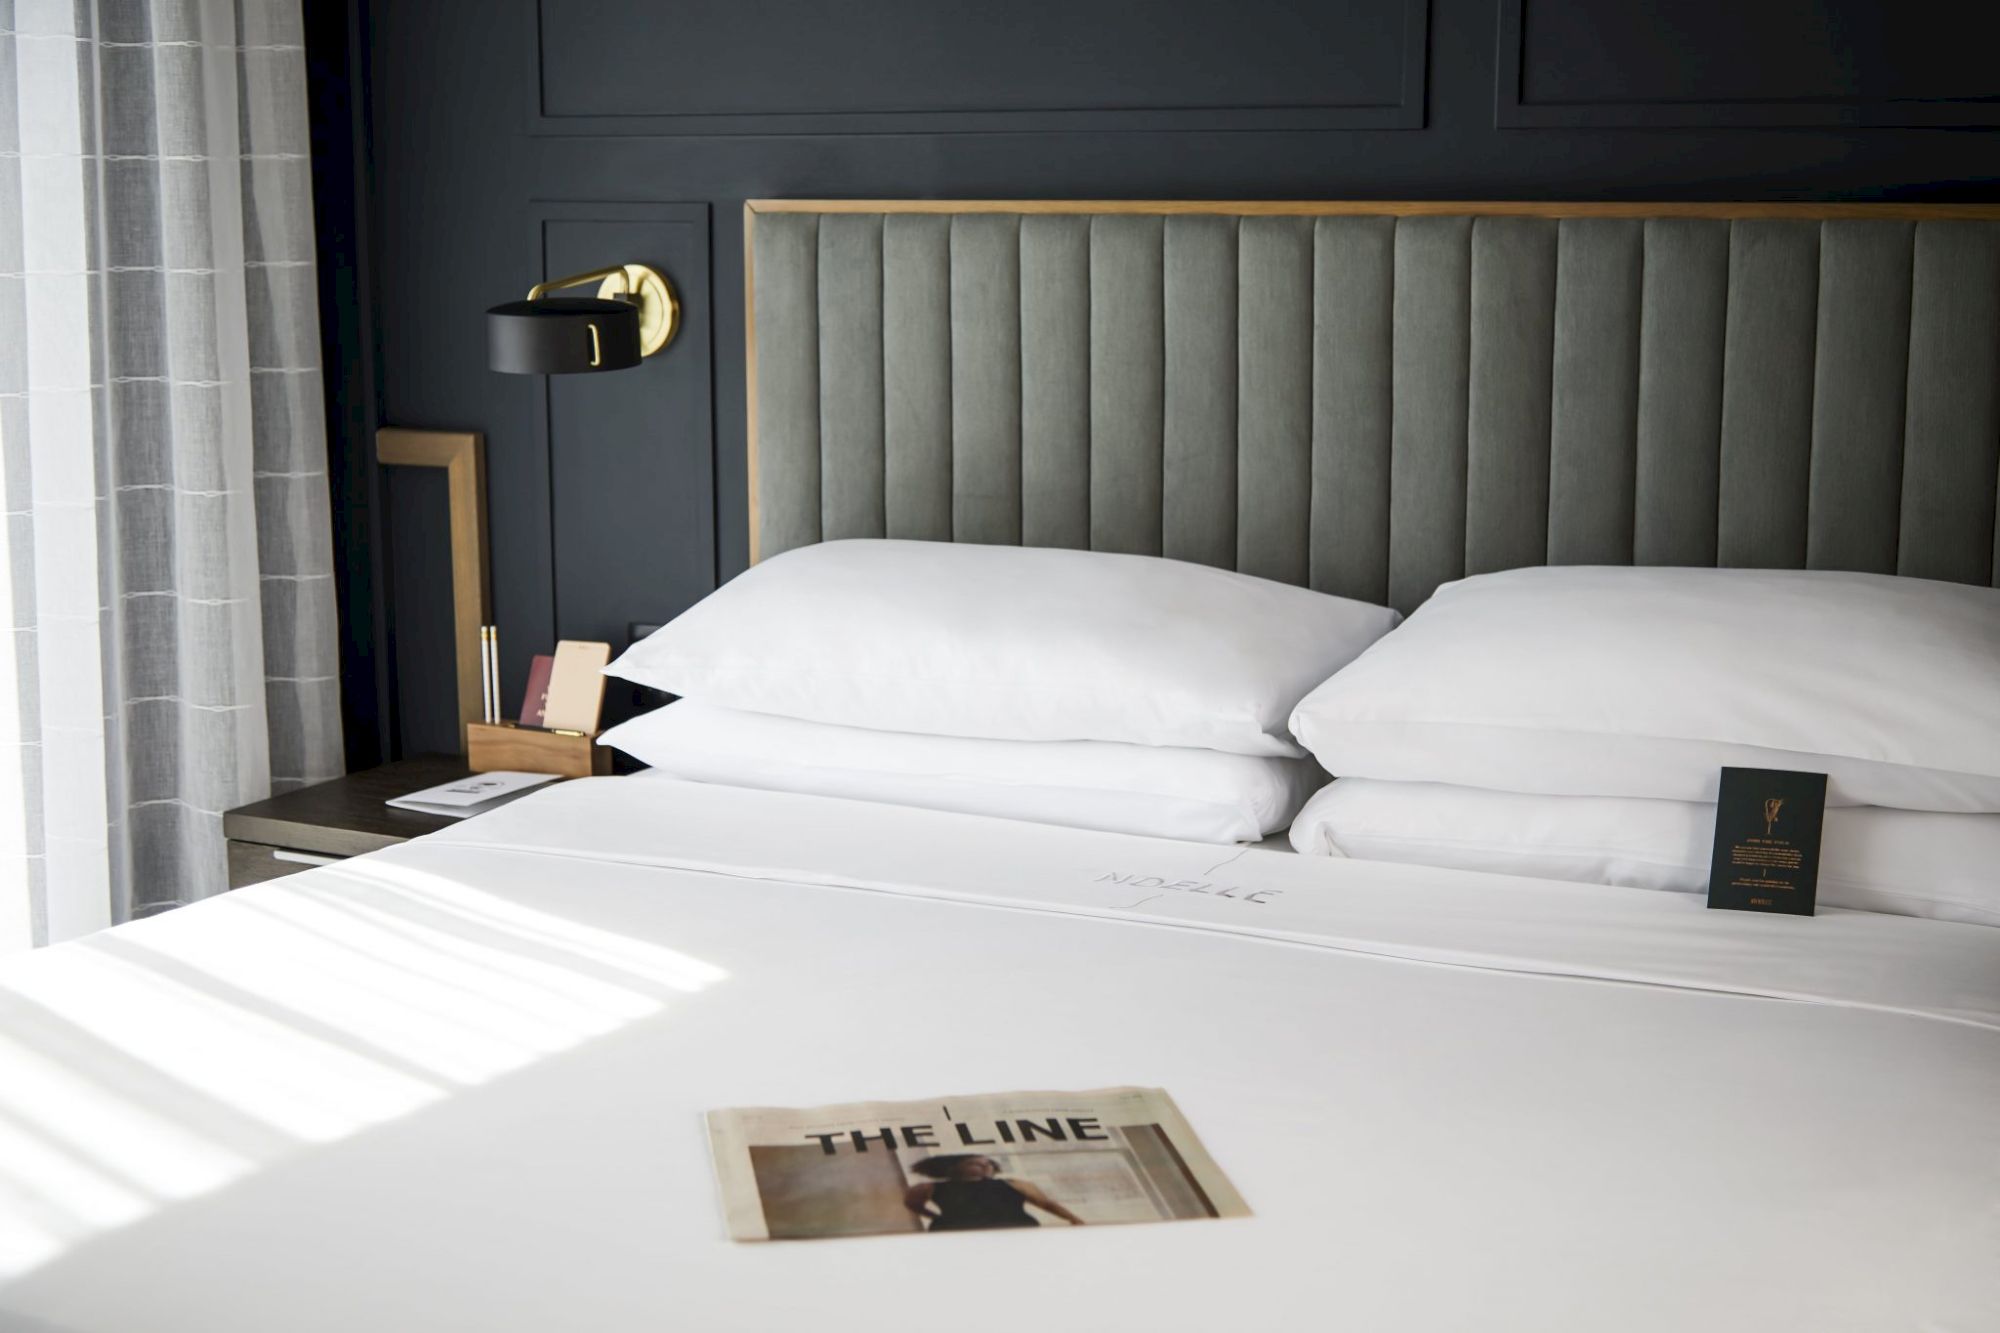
{"x":1010,"y":643}
{"x":1646,"y":682}
{"x":1908,"y":862}
{"x":1196,"y":795}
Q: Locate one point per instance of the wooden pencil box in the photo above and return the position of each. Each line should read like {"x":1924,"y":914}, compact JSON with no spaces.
{"x":491,"y":746}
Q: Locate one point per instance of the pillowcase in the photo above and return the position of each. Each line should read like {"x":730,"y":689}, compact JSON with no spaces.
{"x":1196,"y":795}
{"x":1645,"y":682}
{"x":1906,"y":862}
{"x":1010,"y":643}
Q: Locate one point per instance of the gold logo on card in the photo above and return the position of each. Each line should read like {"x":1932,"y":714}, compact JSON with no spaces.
{"x":1772,"y":804}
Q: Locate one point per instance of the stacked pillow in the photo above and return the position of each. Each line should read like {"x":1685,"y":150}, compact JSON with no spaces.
{"x":1107,"y":691}
{"x":1573,"y":722}
{"x":1876,"y":859}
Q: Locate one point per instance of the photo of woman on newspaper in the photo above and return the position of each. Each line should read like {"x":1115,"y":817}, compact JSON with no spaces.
{"x":965,"y":1192}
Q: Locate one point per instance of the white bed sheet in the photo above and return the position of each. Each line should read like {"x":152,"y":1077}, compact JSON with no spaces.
{"x":458,"y":1085}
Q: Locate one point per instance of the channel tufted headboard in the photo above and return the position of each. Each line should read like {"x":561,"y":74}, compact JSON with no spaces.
{"x":1372,"y":399}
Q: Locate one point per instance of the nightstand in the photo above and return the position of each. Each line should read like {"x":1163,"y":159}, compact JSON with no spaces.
{"x":331,"y":821}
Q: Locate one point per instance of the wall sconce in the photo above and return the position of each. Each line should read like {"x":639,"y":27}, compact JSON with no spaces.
{"x":634,"y":314}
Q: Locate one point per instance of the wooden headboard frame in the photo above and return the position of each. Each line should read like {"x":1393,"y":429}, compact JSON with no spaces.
{"x":753,"y":209}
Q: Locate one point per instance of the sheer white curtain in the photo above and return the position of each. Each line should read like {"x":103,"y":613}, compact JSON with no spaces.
{"x":166,"y":575}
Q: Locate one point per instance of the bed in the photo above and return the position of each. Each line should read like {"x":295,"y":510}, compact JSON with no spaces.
{"x":458,"y":1084}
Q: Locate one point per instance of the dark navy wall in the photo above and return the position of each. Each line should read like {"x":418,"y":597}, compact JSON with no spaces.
{"x":468,"y":148}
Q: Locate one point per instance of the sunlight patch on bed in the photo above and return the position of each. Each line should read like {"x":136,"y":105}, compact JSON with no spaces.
{"x":295,"y":1082}
{"x":74,"y":1162}
{"x":650,"y":962}
{"x":278,"y":1018}
{"x":141,"y":1147}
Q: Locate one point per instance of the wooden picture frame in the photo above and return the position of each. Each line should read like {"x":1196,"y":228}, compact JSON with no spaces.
{"x":462,"y":455}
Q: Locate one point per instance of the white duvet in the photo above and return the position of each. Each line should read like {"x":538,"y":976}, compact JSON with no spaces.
{"x":457,"y":1085}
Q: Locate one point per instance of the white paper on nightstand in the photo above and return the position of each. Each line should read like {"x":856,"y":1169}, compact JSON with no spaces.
{"x":471,"y":796}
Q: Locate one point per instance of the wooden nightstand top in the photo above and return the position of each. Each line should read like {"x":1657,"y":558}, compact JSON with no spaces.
{"x":346,"y":817}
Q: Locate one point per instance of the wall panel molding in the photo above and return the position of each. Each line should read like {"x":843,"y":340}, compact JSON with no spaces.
{"x":1511,"y":109}
{"x":1330,"y":111}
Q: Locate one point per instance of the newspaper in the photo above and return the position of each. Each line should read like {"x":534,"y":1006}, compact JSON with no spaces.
{"x":976,"y":1163}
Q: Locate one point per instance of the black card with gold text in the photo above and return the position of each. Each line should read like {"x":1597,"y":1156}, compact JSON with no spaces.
{"x":1767,"y":825}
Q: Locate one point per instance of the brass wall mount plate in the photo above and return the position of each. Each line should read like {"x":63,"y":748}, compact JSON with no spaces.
{"x":659,"y":306}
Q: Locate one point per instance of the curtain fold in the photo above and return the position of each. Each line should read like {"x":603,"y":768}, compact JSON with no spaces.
{"x":167,"y":578}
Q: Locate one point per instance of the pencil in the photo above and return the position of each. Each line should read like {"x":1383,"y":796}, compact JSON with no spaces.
{"x":485,"y":674}
{"x":495,"y":668}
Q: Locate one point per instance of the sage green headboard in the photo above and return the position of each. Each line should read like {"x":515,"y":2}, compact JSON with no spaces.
{"x":1372,"y":399}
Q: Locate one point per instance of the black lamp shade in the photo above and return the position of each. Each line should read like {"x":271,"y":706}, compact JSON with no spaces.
{"x":562,"y":335}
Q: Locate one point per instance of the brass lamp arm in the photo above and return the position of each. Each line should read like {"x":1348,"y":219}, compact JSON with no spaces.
{"x":616,"y":271}
{"x":639,"y":284}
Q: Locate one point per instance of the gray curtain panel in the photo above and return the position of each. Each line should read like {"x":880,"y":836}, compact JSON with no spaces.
{"x":167,"y":570}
